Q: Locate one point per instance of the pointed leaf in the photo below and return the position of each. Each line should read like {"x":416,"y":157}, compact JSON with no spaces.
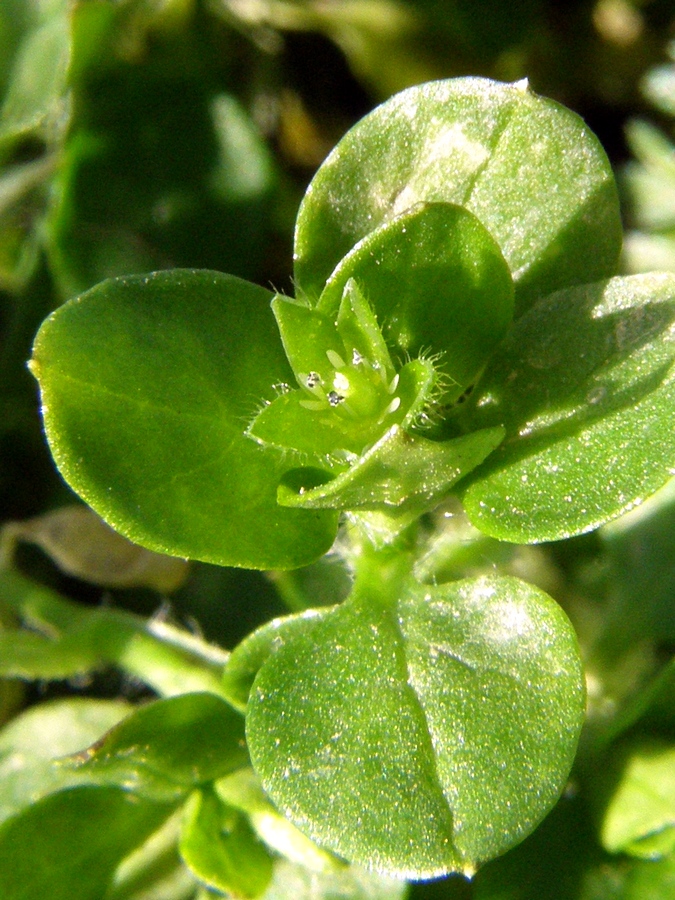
{"x":148,"y":384}
{"x":385,"y":728}
{"x":531,"y":171}
{"x":587,"y":406}
{"x":402,"y":472}
{"x":163,"y":750}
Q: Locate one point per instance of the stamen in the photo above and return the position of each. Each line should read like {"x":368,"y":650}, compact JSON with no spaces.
{"x":341,"y":382}
{"x":393,"y":406}
{"x":356,"y":358}
{"x":394,"y":384}
{"x":314,"y":405}
{"x":335,"y":359}
{"x":334,"y":398}
{"x":313,"y":379}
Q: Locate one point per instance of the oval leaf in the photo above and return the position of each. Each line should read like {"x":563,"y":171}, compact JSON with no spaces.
{"x":528,"y":168}
{"x":148,"y":384}
{"x":384,"y":730}
{"x":587,"y":408}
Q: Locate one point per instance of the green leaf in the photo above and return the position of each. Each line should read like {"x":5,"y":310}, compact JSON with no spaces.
{"x":385,"y":728}
{"x":79,"y":637}
{"x":587,"y":405}
{"x":148,"y":384}
{"x":401,"y":473}
{"x":163,"y":750}
{"x":67,"y":845}
{"x":26,"y":769}
{"x":640,"y":816}
{"x":438,"y":283}
{"x":221,"y":849}
{"x":528,"y":168}
{"x":242,"y":791}
{"x":246,"y":659}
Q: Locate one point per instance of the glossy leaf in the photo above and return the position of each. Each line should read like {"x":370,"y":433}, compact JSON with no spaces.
{"x":68,"y":845}
{"x":401,"y":473}
{"x":148,"y":384}
{"x":220,"y":848}
{"x":438,"y":283}
{"x":409,"y":711}
{"x":163,"y":750}
{"x":246,"y":659}
{"x":584,"y":388}
{"x":528,"y":168}
{"x":31,"y":741}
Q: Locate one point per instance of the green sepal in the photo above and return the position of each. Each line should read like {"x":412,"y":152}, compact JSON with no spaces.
{"x":402,"y":473}
{"x":287,"y":422}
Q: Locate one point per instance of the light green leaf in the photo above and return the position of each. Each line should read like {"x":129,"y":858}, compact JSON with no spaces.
{"x":242,"y":791}
{"x":67,"y":845}
{"x":30,"y":742}
{"x":36,"y":96}
{"x":528,"y":168}
{"x":640,"y":815}
{"x":438,"y":283}
{"x":148,"y":384}
{"x":163,"y":750}
{"x":295,"y":882}
{"x":385,"y":728}
{"x":221,"y":849}
{"x":584,"y":388}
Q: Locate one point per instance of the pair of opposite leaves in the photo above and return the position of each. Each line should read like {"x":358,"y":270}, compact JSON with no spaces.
{"x":492,"y":185}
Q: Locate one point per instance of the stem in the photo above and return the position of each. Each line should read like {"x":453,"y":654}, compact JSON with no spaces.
{"x":167,"y":659}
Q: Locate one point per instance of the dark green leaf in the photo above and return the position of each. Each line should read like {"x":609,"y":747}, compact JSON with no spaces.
{"x":529,"y":169}
{"x":163,"y":750}
{"x":148,"y":384}
{"x":584,"y":388}
{"x":221,"y":850}
{"x":386,"y":727}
